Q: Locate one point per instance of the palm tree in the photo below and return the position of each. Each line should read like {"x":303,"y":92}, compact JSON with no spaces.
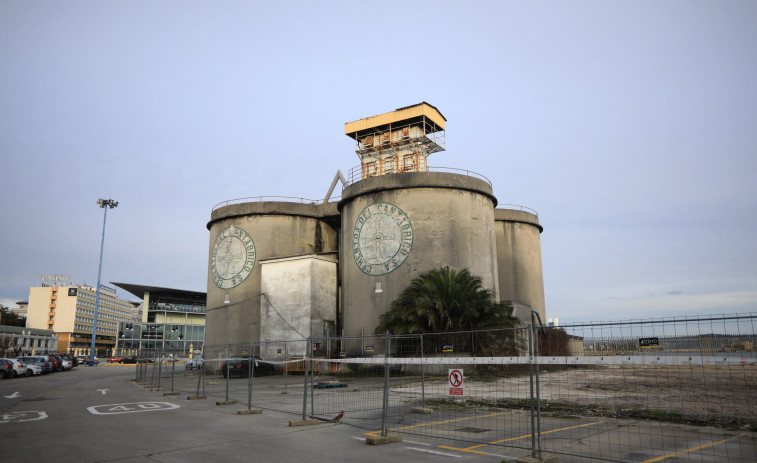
{"x":445,"y":300}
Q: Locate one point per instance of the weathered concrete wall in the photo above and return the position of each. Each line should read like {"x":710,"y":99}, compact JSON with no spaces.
{"x":277,"y":229}
{"x":300,"y":296}
{"x":451,"y":221}
{"x":521,"y":280}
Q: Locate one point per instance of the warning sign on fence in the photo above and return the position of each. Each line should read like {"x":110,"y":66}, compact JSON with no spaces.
{"x":456,"y":382}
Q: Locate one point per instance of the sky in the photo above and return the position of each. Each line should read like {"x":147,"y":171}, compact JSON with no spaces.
{"x":629,"y":126}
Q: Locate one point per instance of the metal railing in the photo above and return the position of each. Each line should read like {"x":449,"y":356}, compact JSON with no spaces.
{"x":251,"y":199}
{"x":356,"y":173}
{"x":517,"y":207}
{"x":614,"y":391}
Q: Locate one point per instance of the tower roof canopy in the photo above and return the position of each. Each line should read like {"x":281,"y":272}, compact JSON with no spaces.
{"x":400,"y":116}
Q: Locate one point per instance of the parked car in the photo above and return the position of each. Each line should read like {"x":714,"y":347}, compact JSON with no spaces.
{"x":84,"y":359}
{"x":57,"y":364}
{"x":40,"y":360}
{"x":25,"y":369}
{"x":19,"y":368}
{"x":6,"y":369}
{"x":115,"y":359}
{"x":240,"y":366}
{"x":32,"y":369}
{"x":65,"y":364}
{"x":193,"y":363}
{"x":128,"y":360}
{"x":69,"y":358}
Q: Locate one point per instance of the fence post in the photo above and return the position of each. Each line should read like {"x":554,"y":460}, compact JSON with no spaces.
{"x":531,"y":381}
{"x":423,"y":376}
{"x":228,"y":368}
{"x":160,"y":366}
{"x":535,"y":316}
{"x":385,"y":407}
{"x":250,"y":375}
{"x":312,"y":379}
{"x":286,"y":367}
{"x":154,"y":371}
{"x":173,"y":370}
{"x":199,"y":378}
{"x":305,"y":368}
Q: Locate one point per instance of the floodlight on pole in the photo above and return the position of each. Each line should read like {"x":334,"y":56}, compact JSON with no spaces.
{"x":104,"y":204}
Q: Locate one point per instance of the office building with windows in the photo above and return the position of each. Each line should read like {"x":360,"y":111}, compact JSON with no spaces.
{"x":69,"y":312}
{"x":172,"y":320}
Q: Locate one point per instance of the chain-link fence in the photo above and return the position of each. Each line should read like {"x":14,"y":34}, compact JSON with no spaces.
{"x":650,"y":390}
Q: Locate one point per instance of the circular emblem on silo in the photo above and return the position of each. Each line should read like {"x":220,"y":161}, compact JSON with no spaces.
{"x":233,"y":257}
{"x":382,"y":238}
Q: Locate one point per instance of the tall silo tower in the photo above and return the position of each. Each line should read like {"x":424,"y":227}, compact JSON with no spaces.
{"x":400,"y":219}
{"x":521,"y":281}
{"x":272,"y":266}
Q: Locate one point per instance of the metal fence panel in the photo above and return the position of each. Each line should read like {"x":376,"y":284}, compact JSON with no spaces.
{"x":647,"y":390}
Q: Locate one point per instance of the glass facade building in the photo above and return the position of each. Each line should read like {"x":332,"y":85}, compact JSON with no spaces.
{"x":172,"y":320}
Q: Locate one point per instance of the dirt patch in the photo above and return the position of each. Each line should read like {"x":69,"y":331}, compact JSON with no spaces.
{"x":722,"y":396}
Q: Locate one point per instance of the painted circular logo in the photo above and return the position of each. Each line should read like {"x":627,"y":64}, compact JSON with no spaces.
{"x":382,"y":238}
{"x":233,"y":257}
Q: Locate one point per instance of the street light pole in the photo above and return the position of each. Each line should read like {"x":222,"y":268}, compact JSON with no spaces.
{"x":104,"y":204}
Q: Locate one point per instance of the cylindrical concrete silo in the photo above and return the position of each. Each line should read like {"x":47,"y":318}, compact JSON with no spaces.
{"x":395,"y":227}
{"x":241,"y":235}
{"x":521,"y":281}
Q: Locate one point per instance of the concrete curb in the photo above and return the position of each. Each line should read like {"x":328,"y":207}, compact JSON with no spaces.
{"x":226,"y":402}
{"x":381,"y":440}
{"x":309,"y":422}
{"x":252,"y":411}
{"x":197,"y":397}
{"x":422,"y":410}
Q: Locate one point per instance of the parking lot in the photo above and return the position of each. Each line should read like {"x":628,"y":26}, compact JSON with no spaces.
{"x":141,"y":424}
{"x":99,"y":414}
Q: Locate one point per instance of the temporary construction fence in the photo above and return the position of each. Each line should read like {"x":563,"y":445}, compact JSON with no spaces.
{"x":646,"y":390}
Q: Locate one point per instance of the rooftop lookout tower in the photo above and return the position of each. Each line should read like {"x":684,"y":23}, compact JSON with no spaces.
{"x":397,"y":141}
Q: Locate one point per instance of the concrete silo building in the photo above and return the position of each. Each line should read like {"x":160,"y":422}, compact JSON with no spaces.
{"x":282,"y":270}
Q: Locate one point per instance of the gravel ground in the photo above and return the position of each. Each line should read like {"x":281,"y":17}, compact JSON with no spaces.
{"x":723,"y":396}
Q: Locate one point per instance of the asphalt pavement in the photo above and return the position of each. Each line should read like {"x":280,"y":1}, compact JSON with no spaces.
{"x":98,"y":414}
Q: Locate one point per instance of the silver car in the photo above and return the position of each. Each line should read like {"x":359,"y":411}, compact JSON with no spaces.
{"x":27,"y":369}
{"x":65,"y":363}
{"x":41,"y":361}
{"x":20,"y":368}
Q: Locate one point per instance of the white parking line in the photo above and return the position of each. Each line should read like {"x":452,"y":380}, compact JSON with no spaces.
{"x":434,"y":452}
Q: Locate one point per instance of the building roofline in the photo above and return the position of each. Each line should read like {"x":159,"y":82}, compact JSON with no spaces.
{"x":19,"y":329}
{"x":139,"y":291}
